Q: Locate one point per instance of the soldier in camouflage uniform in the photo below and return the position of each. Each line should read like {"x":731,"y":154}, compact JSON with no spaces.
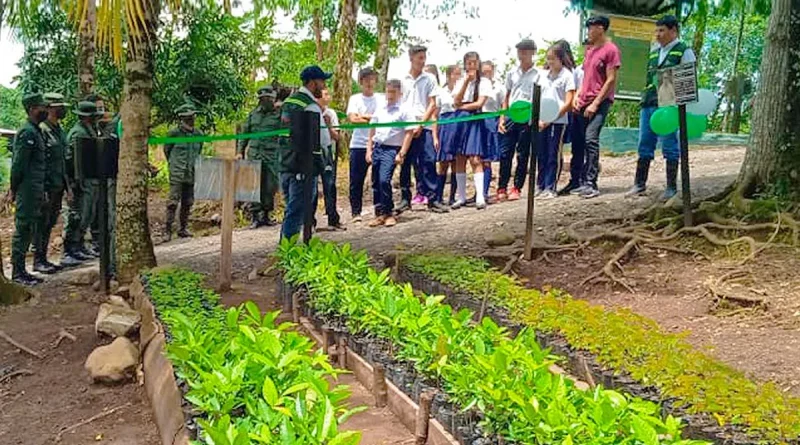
{"x":55,"y":140}
{"x":181,"y":157}
{"x":74,"y":223}
{"x":28,"y":171}
{"x":267,"y":150}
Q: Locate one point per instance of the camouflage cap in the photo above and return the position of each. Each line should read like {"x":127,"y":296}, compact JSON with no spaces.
{"x":86,"y":109}
{"x":33,"y":99}
{"x":55,"y":100}
{"x":185,"y":110}
{"x":267,"y":92}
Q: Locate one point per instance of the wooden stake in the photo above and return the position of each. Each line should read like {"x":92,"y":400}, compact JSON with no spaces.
{"x":295,"y":307}
{"x":341,"y":352}
{"x":327,"y":338}
{"x":379,"y":389}
{"x":423,"y":417}
{"x":228,"y":197}
{"x":534,"y":153}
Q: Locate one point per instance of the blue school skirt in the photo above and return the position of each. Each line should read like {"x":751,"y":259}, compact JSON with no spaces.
{"x":451,"y":137}
{"x":491,"y":140}
{"x":473,"y":137}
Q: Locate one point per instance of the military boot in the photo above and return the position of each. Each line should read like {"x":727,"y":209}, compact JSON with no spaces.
{"x":640,"y":181}
{"x":20,"y":276}
{"x":258,"y":220}
{"x":672,"y":180}
{"x":170,"y":221}
{"x":41,"y":265}
{"x":69,"y":258}
{"x":183,"y":232}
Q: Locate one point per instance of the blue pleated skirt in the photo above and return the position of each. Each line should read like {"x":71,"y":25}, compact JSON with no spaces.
{"x":491,"y":140}
{"x":473,"y":137}
{"x":451,"y":137}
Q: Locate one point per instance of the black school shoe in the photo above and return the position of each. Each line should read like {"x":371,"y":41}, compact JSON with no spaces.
{"x":25,"y":279}
{"x":438,"y":207}
{"x":44,"y":267}
{"x":402,"y":207}
{"x":568,"y":189}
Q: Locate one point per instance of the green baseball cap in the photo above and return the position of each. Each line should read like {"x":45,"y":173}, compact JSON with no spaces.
{"x":185,"y":110}
{"x":55,"y":100}
{"x":86,"y":109}
{"x":267,"y":92}
{"x":32,"y":100}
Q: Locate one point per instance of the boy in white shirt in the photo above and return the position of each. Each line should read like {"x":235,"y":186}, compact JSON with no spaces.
{"x":329,"y":161}
{"x":387,"y":148}
{"x":360,"y":109}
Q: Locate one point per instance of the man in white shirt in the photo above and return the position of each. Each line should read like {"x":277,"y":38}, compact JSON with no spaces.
{"x":514,"y":137}
{"x":387,"y":147}
{"x":669,"y":51}
{"x":327,"y":162}
{"x":293,"y":179}
{"x":360,"y":109}
{"x":419,"y":97}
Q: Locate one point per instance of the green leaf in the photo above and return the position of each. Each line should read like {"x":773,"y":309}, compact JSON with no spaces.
{"x":643,"y":431}
{"x":346,"y":438}
{"x":269,"y":392}
{"x":248,"y":332}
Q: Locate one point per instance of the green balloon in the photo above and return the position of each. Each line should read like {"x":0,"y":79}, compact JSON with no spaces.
{"x":695,"y":125}
{"x":520,"y":112}
{"x":665,"y":121}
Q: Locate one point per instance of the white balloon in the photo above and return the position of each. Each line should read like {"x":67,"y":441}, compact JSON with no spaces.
{"x":549,"y":109}
{"x":705,"y":105}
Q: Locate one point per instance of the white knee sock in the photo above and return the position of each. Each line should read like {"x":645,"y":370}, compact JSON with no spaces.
{"x":479,"y":198}
{"x":461,"y":187}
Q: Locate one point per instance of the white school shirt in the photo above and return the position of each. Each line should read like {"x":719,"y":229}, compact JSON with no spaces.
{"x":417,"y":92}
{"x":556,"y":87}
{"x":391,"y":136}
{"x":688,"y":55}
{"x":325,"y":136}
{"x":578,"y":73}
{"x":361,"y":104}
{"x":520,"y":84}
{"x":495,"y":100}
{"x":444,"y":100}
{"x":484,"y":89}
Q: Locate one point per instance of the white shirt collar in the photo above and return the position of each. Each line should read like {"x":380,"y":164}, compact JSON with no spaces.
{"x":307,"y":92}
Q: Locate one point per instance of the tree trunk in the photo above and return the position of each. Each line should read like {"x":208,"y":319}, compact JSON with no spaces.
{"x":86,"y":50}
{"x":735,"y":84}
{"x":316,"y":23}
{"x":772,"y":162}
{"x":387,"y":9}
{"x":227,"y":7}
{"x":700,"y":32}
{"x":134,"y":246}
{"x":343,"y":77}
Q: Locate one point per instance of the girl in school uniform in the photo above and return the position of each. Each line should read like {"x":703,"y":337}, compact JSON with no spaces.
{"x":448,"y":138}
{"x":471,"y":95}
{"x":558,"y":83}
{"x":574,"y":135}
{"x":491,"y":141}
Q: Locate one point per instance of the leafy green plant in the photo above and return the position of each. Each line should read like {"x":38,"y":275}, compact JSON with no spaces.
{"x":478,"y":366}
{"x":253,"y":380}
{"x":625,"y":341}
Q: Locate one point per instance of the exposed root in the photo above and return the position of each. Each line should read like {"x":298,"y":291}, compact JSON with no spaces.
{"x":13,"y":374}
{"x":608,"y":273}
{"x":90,"y":420}
{"x":19,"y":345}
{"x":723,"y":300}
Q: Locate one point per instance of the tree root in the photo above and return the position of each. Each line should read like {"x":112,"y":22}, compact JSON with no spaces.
{"x":608,"y":272}
{"x":89,"y":420}
{"x":19,"y":345}
{"x":722,"y":300}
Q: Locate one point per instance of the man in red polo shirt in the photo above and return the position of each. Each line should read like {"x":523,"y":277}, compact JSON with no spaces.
{"x":595,"y":96}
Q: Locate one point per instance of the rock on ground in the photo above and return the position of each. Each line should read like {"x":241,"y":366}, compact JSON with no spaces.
{"x":85,"y":277}
{"x":499,"y":238}
{"x":117,"y":300}
{"x":116,"y":321}
{"x":113,"y":363}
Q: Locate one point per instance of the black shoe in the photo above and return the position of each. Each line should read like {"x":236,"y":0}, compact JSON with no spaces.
{"x":404,"y":206}
{"x":337,"y":226}
{"x":672,"y":180}
{"x":578,"y":191}
{"x":270,"y":221}
{"x":78,"y":255}
{"x":183,"y":233}
{"x":57,"y":267}
{"x":43,"y":267}
{"x":25,"y":279}
{"x":85,"y":254}
{"x":93,"y":250}
{"x":70,"y":260}
{"x":590,"y":192}
{"x":438,"y":207}
{"x":640,"y":181}
{"x":256,"y":224}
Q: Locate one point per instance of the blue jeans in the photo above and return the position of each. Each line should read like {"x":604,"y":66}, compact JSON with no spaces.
{"x":517,"y":139}
{"x":292,"y":186}
{"x":383,"y":157}
{"x":551,"y":140}
{"x":591,"y":129}
{"x":648,"y":140}
{"x":422,"y":156}
{"x":358,"y":175}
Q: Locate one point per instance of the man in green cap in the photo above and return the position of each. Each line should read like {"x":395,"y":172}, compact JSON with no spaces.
{"x":28,"y":171}
{"x":267,"y":150}
{"x":55,"y":141}
{"x":75,"y":217}
{"x":181,"y":157}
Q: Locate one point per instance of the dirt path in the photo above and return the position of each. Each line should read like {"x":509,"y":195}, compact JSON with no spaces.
{"x":670,"y":288}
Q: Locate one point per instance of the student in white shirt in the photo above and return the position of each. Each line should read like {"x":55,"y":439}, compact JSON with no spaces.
{"x":387,"y":147}
{"x":515,"y":138}
{"x":447,"y":138}
{"x":471,"y":95}
{"x":329,"y":160}
{"x":419,"y":94}
{"x":575,"y":134}
{"x":360,"y":109}
{"x":558,"y":83}
{"x":491,"y":148}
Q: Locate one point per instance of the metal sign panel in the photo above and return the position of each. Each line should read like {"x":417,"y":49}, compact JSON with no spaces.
{"x":208,"y":180}
{"x":677,"y":85}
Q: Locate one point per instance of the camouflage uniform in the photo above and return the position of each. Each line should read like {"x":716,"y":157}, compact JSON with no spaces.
{"x":181,"y":158}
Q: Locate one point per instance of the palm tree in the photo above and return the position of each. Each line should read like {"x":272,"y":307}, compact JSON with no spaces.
{"x":346,"y":34}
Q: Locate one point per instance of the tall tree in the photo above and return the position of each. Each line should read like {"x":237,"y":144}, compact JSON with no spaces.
{"x":700,"y":18}
{"x":346,"y":34}
{"x":86,"y":48}
{"x":772,"y":162}
{"x":386,"y":11}
{"x":316,"y":25}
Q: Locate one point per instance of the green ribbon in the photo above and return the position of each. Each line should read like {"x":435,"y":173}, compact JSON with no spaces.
{"x":285,"y":131}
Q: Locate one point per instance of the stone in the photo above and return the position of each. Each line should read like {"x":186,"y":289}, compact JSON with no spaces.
{"x":85,"y":277}
{"x":116,"y":321}
{"x":117,"y":300}
{"x":253,"y":276}
{"x":113,"y":363}
{"x":500,"y":238}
